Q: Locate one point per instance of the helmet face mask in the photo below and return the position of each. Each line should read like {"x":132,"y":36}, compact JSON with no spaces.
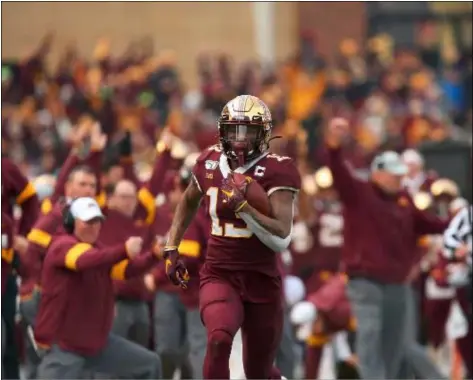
{"x":242,"y":141}
{"x":244,"y":128}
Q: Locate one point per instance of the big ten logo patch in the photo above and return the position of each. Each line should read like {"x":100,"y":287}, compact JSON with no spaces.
{"x":259,"y":171}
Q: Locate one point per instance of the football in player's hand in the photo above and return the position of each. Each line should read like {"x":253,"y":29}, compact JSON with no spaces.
{"x":255,"y":194}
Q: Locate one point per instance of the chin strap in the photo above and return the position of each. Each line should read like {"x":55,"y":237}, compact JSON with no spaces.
{"x":274,"y":138}
{"x":271,"y":139}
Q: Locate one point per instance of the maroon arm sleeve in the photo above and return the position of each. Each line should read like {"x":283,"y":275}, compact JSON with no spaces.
{"x":346,"y":185}
{"x":39,"y":239}
{"x":141,"y":264}
{"x":79,"y":256}
{"x":129,"y":171}
{"x":94,"y":160}
{"x":32,"y":260}
{"x":30,"y":211}
{"x":159,"y":273}
{"x":25,"y":196}
{"x":148,"y":192}
{"x":71,"y":162}
{"x":428,"y":224}
{"x":161,"y":165}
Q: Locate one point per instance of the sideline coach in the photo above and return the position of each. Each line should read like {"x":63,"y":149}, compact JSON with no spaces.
{"x":77,"y":304}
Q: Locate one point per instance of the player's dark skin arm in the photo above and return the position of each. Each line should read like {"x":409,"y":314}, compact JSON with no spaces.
{"x":282,"y":209}
{"x":184,"y":214}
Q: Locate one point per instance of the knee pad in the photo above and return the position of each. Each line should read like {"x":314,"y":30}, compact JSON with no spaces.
{"x":219,"y":343}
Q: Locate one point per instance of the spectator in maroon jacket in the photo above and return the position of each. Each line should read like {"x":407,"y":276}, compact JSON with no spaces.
{"x":382,"y":226}
{"x":179,"y":331}
{"x":76,"y":310}
{"x":131,"y":306}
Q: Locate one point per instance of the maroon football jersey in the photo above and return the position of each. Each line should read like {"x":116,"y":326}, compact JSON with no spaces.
{"x":322,"y":253}
{"x":232,"y":245}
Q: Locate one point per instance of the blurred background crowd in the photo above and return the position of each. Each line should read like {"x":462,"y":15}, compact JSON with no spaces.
{"x":395,"y":96}
{"x":401,"y":84}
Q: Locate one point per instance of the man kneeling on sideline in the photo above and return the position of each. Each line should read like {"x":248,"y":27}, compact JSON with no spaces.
{"x":77,"y":304}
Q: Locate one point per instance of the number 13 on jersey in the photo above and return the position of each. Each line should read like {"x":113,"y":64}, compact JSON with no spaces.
{"x":228,"y":229}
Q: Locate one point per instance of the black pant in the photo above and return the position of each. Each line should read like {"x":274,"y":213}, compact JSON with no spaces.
{"x":10,"y":363}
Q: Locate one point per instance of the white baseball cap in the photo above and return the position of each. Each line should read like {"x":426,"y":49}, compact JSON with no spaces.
{"x":390,"y":162}
{"x":86,"y":209}
{"x":412,"y":156}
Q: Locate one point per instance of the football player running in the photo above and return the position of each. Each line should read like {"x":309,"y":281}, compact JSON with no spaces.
{"x":240,"y":284}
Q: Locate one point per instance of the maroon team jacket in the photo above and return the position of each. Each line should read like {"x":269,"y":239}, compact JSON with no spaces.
{"x":381,"y":230}
{"x":50,"y":222}
{"x":77,"y":303}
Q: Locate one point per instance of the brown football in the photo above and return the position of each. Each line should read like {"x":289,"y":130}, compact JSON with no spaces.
{"x":255,"y":194}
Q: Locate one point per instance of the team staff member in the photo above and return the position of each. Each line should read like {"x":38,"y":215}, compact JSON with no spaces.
{"x":177,"y":322}
{"x":417,"y":178}
{"x":75,"y":180}
{"x":381,"y":229}
{"x":132,"y":319}
{"x":7,"y":258}
{"x":77,"y":303}
{"x":132,"y":212}
{"x":97,"y":142}
{"x":82,"y":181}
{"x":16,"y":190}
{"x":7,"y":248}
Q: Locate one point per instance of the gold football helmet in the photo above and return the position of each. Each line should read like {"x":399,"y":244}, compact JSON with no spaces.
{"x":244,"y":128}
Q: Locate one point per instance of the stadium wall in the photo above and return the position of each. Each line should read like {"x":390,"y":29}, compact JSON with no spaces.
{"x":186,"y":27}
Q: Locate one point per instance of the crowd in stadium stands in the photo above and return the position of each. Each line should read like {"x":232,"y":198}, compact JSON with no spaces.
{"x":394,"y":98}
{"x":147,"y":126}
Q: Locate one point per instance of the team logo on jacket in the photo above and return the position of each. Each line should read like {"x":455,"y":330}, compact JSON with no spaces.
{"x":403,"y":202}
{"x":211,"y":165}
